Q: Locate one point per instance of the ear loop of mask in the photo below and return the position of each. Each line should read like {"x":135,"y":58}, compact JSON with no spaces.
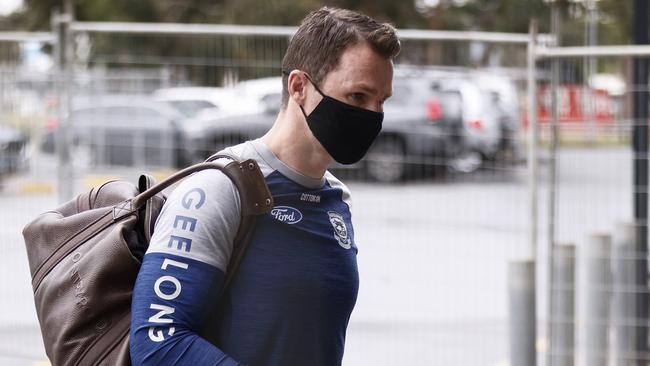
{"x":284,"y":72}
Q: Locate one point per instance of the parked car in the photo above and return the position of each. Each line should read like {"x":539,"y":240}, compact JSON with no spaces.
{"x":258,"y":102}
{"x":490,"y":113}
{"x":125,"y":130}
{"x":433,"y":120}
{"x":505,"y":100}
{"x":204,"y":139}
{"x":249,"y":96}
{"x":480,"y":128}
{"x":12,"y":150}
{"x":263,"y":93}
{"x":420,"y":128}
{"x":202,"y":102}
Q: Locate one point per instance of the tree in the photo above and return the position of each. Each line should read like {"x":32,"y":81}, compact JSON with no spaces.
{"x":484,"y":15}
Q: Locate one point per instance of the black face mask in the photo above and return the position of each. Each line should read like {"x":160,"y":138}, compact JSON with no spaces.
{"x":345,"y":131}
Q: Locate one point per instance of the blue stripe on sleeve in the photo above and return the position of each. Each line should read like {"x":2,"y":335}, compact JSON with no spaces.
{"x":171,"y":299}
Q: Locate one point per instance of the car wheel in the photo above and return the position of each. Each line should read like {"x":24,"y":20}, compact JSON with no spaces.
{"x":466,"y":162}
{"x":385,"y":161}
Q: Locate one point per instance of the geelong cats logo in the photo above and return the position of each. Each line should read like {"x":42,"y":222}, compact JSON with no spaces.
{"x":341,"y":233}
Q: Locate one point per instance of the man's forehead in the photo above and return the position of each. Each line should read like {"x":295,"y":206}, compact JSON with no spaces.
{"x":361,"y":67}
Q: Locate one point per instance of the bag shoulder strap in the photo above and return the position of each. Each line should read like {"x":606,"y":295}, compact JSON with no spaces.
{"x":240,"y":246}
{"x":244,"y":232}
{"x":246,"y":175}
{"x":254,"y":195}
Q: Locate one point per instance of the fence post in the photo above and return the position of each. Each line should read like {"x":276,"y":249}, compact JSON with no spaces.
{"x":595,"y":290}
{"x":521,"y":294}
{"x":624,"y":262}
{"x":641,"y":175}
{"x":563,"y":307}
{"x":63,"y":137}
{"x":553,"y":194}
{"x":523,"y":314}
{"x":532,"y":137}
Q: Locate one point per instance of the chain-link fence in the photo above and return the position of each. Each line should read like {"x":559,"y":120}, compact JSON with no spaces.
{"x":441,"y":200}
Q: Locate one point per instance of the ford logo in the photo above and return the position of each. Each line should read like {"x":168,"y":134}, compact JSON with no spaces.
{"x":286,"y":214}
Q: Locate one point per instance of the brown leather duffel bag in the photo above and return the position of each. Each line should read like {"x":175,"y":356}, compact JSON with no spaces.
{"x":84,"y":258}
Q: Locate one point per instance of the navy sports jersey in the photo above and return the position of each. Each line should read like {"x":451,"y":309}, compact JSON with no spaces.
{"x":295,"y":289}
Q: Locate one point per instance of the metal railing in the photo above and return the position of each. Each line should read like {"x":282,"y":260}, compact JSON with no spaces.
{"x":19,"y":37}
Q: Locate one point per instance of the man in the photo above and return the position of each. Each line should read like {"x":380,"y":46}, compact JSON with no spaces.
{"x":295,"y":289}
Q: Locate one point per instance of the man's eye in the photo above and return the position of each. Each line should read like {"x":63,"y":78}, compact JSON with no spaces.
{"x":358,"y":97}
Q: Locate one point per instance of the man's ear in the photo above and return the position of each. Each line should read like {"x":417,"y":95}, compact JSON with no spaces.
{"x":296,"y":85}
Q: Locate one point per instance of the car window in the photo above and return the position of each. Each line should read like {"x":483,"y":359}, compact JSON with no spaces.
{"x":191,"y":108}
{"x":401,"y":94}
{"x":89,"y":115}
{"x":140,"y":112}
{"x":472,"y":99}
{"x":452,"y":105}
{"x":105,"y":115}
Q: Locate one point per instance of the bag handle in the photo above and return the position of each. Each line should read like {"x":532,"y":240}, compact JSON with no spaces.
{"x":255,"y":196}
{"x":143,"y":197}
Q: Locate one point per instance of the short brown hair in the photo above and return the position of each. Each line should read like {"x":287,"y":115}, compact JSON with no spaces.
{"x":323,"y":36}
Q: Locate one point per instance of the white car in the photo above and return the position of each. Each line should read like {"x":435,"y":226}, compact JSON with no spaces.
{"x":260,"y":90}
{"x":203,"y":102}
{"x":506,"y":100}
{"x":218,"y":117}
{"x":206,"y":103}
{"x":480,"y":123}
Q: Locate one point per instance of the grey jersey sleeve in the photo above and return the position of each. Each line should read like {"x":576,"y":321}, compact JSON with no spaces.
{"x":199,"y":220}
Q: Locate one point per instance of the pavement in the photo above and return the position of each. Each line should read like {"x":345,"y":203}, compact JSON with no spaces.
{"x":432,"y":257}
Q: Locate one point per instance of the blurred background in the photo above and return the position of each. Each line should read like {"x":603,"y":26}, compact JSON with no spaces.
{"x":501,"y":215}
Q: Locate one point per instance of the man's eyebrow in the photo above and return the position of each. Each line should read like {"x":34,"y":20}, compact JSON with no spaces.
{"x":368,"y":89}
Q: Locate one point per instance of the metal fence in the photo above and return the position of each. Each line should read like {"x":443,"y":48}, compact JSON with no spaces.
{"x":222,"y":56}
{"x":436,"y":231}
{"x":593,"y":251}
{"x":22,"y":113}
